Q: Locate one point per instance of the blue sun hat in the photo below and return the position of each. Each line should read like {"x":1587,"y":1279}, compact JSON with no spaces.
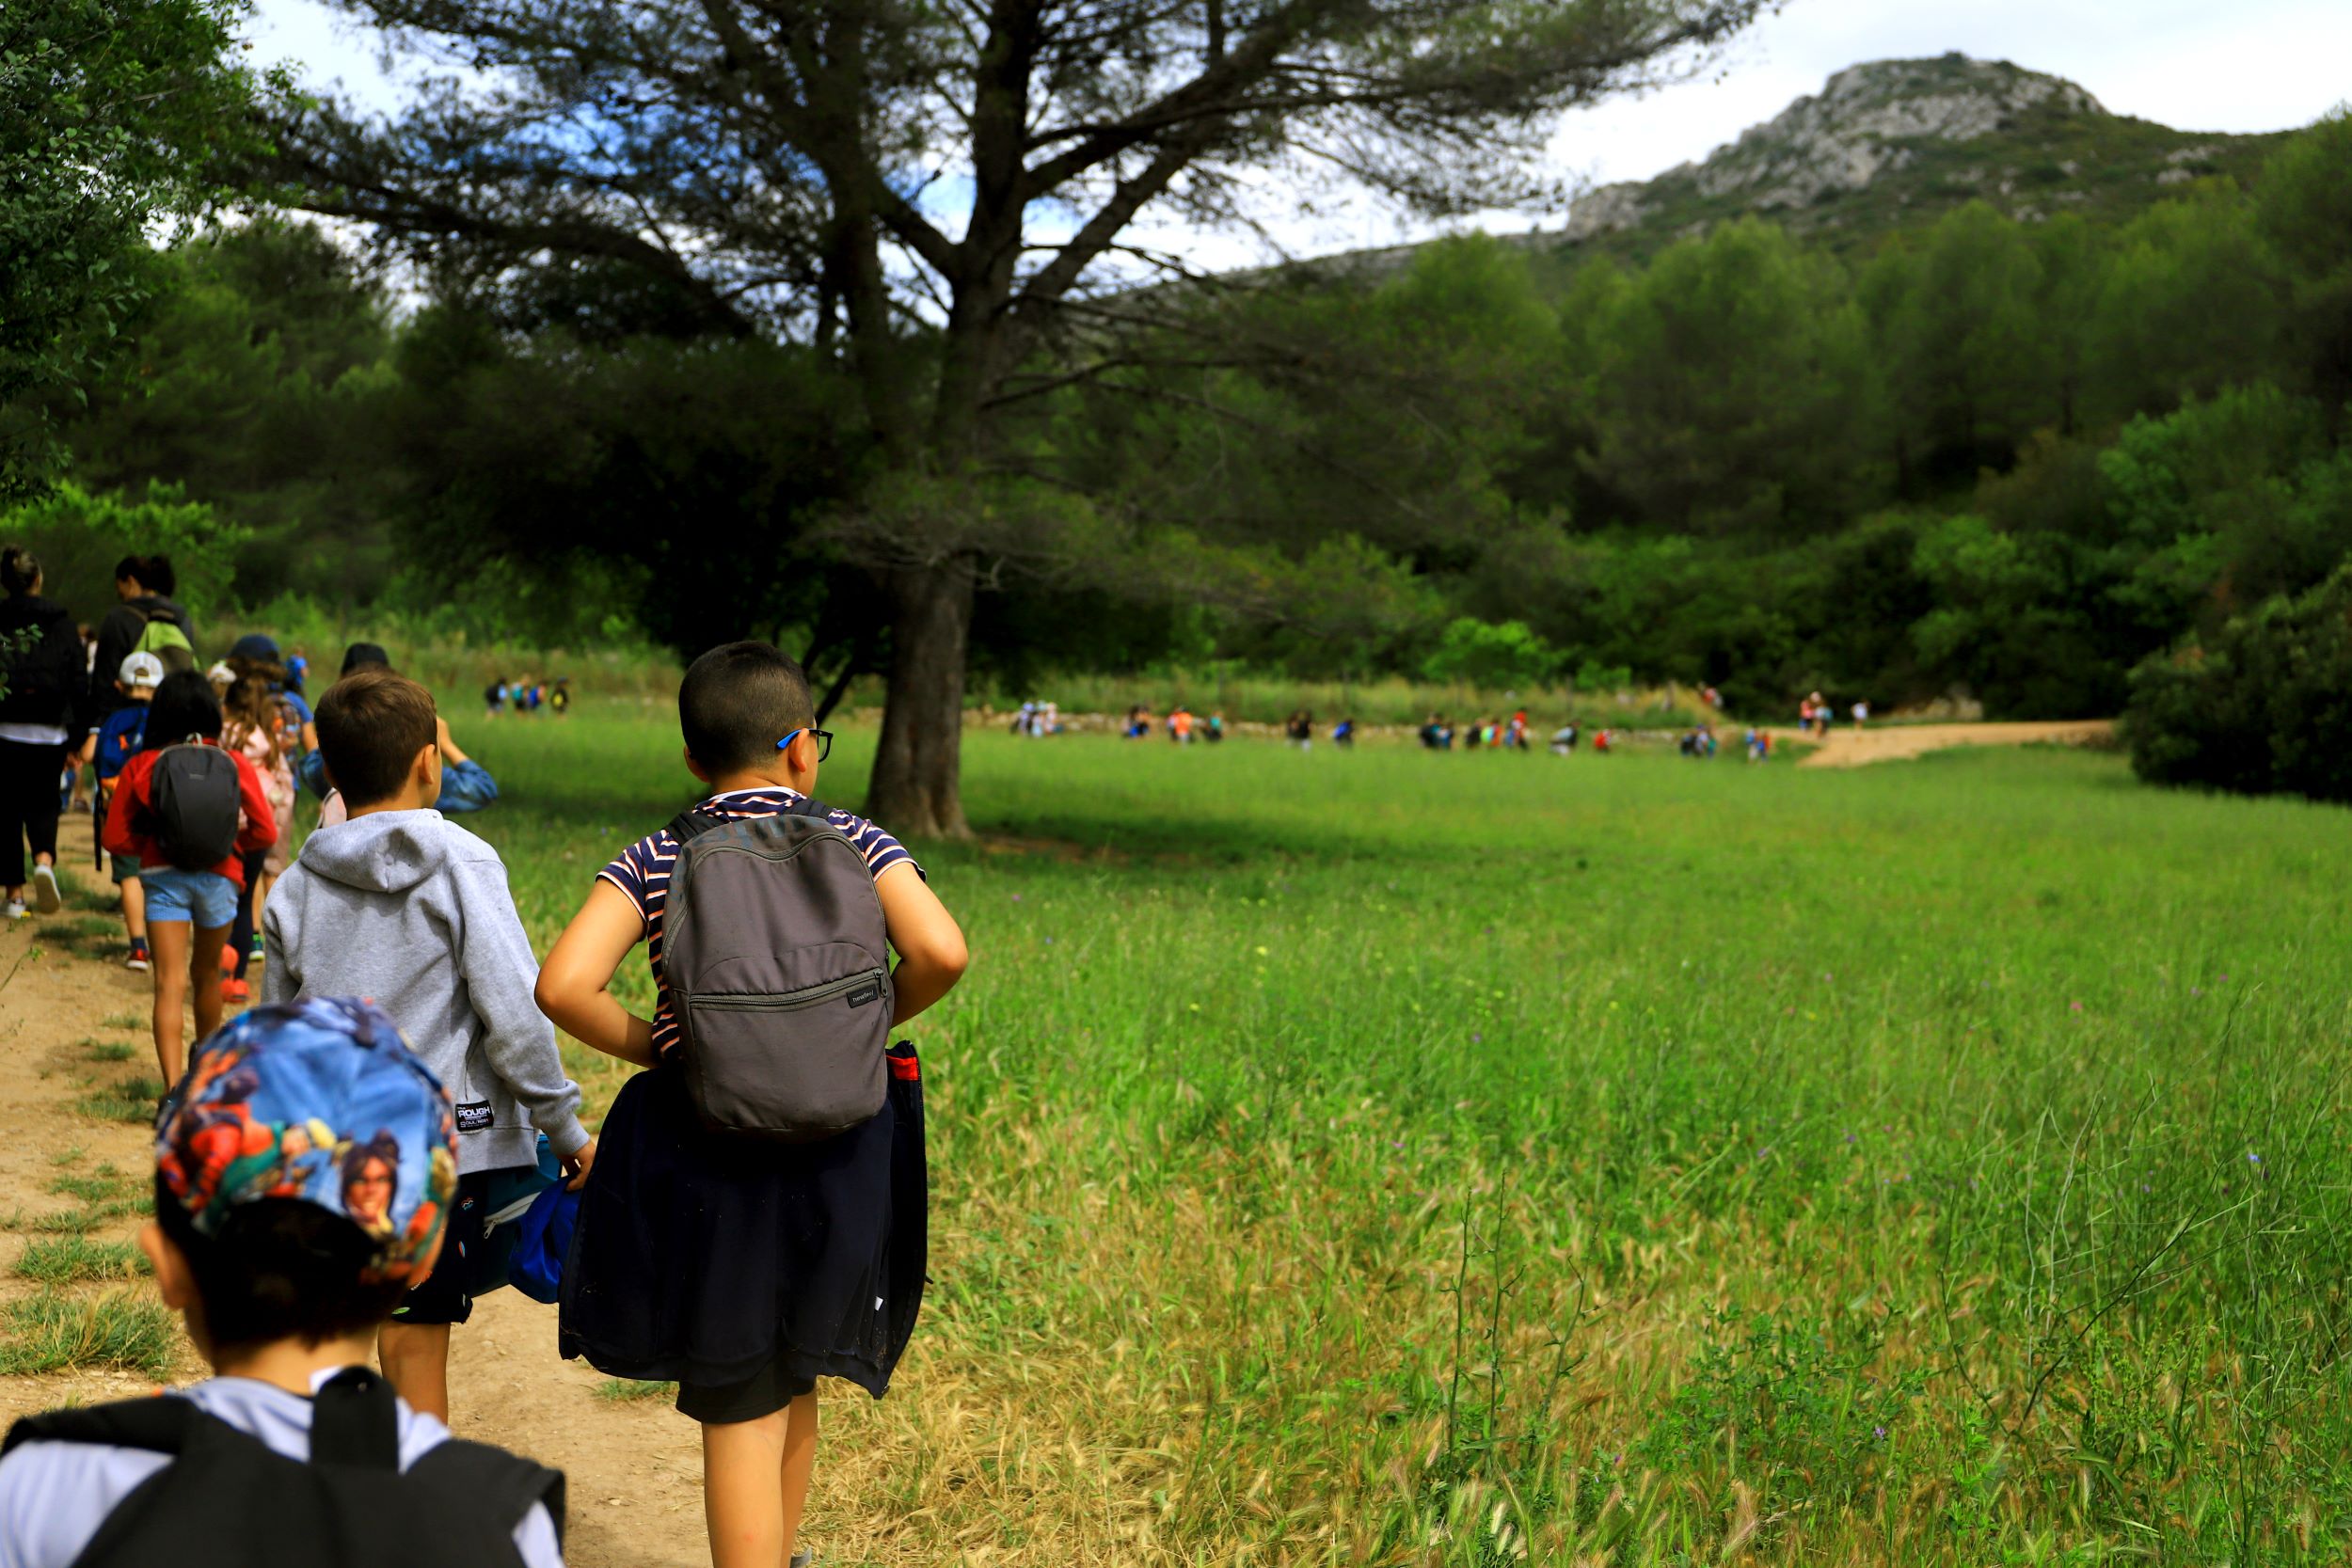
{"x":321,"y":1100}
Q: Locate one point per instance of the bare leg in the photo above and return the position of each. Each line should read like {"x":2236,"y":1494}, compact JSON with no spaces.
{"x":800,"y":1461}
{"x":134,"y":909}
{"x":204,"y":969}
{"x":172,"y":939}
{"x":416,"y":1359}
{"x":742,"y":1504}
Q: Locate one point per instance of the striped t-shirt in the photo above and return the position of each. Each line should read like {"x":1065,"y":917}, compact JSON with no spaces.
{"x":641,"y":873}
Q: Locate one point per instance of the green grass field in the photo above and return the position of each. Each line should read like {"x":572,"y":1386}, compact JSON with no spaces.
{"x":1440,"y":1159}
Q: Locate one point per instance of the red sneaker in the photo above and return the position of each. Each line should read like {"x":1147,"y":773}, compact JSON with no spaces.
{"x":227,"y":958}
{"x":234,"y":990}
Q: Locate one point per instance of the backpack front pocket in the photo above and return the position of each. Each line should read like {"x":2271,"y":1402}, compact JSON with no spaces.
{"x":792,"y":1066}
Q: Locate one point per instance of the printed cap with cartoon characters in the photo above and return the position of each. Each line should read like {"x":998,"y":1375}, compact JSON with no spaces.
{"x":318,"y":1099}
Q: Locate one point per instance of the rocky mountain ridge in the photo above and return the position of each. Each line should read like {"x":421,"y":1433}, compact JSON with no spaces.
{"x":1865,"y":124}
{"x":1890,"y":145}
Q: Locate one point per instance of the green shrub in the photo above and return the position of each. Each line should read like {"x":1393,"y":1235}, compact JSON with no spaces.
{"x":79,"y":536}
{"x":2266,"y":708}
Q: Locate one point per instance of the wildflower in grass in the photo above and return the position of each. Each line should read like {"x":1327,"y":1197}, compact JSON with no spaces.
{"x":1879,"y":1432}
{"x":2254,"y":1159}
{"x":1262,"y":952}
{"x":2075,"y":1007}
{"x":1477,"y":1039}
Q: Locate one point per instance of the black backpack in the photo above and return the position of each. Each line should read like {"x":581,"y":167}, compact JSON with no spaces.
{"x":227,"y":1495}
{"x":777,"y":964}
{"x":194,"y":801}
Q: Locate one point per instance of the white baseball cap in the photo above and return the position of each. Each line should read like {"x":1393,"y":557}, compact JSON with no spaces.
{"x":141,"y":670}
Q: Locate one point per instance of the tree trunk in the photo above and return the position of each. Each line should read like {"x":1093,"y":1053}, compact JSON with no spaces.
{"x":918,"y":783}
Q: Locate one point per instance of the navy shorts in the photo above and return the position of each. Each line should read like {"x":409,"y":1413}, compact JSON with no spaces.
{"x":765,"y":1392}
{"x":473,"y":1260}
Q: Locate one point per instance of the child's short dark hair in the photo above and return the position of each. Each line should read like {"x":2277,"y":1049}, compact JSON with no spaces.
{"x":280,"y":1267}
{"x":371,"y":725}
{"x":737,"y":701}
{"x":183,"y":705}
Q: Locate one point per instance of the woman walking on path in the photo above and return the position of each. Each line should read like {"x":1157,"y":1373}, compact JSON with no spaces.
{"x":41,"y":720}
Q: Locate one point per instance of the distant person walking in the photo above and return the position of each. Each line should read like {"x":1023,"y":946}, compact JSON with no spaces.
{"x":1861,"y":714}
{"x":144,"y":619}
{"x":560,"y":700}
{"x":43,"y":719}
{"x":494,"y":699}
{"x":1179,"y":725}
{"x":1302,"y":730}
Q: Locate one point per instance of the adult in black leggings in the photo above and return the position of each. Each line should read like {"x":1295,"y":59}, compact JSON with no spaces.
{"x":40,"y":718}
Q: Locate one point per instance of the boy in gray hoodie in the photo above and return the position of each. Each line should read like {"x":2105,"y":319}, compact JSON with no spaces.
{"x":406,"y":908}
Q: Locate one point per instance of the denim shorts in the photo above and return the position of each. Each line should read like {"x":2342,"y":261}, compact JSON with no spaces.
{"x":206,"y":897}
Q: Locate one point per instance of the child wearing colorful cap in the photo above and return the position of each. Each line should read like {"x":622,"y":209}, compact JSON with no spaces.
{"x":402,"y":905}
{"x":117,"y":741}
{"x":303,"y":1172}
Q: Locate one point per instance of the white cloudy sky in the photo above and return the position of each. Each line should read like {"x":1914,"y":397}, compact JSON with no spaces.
{"x":2205,"y":65}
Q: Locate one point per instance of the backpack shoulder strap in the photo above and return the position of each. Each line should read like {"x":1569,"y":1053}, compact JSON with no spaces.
{"x":803,"y":805}
{"x":356,"y":1422}
{"x":693,"y":823}
{"x":475,"y":1476}
{"x":158,"y":1423}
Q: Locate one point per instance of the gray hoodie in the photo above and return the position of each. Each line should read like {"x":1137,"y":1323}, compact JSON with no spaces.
{"x":413,"y":910}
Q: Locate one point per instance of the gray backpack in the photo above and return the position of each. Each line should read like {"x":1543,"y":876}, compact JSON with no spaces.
{"x":777,"y":965}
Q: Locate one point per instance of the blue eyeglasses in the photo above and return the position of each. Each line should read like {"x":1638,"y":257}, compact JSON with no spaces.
{"x":824,"y":741}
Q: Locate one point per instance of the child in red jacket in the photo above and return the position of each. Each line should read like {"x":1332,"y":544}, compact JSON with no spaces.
{"x":188,"y":912}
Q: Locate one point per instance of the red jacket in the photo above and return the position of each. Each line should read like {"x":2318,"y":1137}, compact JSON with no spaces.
{"x":128,"y":818}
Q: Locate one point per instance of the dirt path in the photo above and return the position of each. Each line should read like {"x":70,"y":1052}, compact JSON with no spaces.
{"x":1848,"y":747}
{"x":634,"y":1466}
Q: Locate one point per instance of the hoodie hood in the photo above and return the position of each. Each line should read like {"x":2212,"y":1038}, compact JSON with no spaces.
{"x":386,"y":851}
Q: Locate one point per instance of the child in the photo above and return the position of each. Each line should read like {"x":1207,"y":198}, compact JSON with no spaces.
{"x":190,"y":907}
{"x":738,"y":1268}
{"x":115,"y":743}
{"x":261,"y":725}
{"x":303,"y":1176}
{"x":402,"y":905}
{"x":466,"y":784}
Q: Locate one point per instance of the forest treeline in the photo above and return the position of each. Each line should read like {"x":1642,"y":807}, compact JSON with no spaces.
{"x":2000,"y":458}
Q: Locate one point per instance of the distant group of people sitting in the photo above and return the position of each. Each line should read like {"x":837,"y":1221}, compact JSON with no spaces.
{"x":1038,"y":719}
{"x":1438,"y":734}
{"x":1183,"y":725}
{"x":1698,"y":742}
{"x":528,"y":695}
{"x":1814,"y":714}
